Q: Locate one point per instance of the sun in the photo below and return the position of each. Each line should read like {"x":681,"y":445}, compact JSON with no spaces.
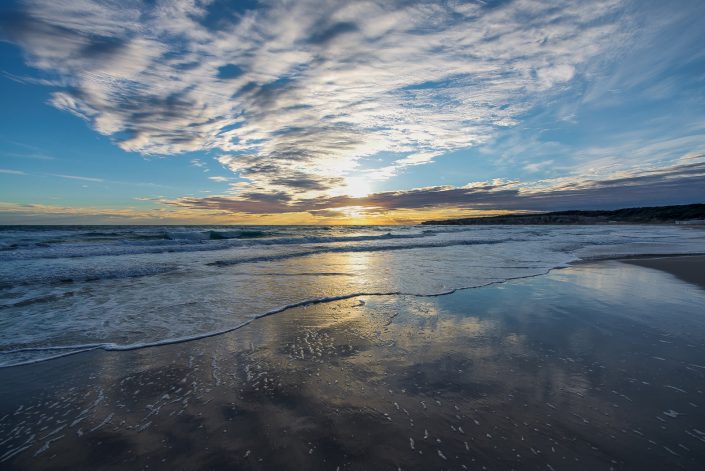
{"x":357,"y":187}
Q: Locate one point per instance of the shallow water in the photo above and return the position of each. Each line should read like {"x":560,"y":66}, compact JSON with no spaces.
{"x":67,"y":289}
{"x":591,"y":367}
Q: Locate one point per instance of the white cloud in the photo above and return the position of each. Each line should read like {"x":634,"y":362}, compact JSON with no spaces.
{"x":77,"y":177}
{"x":679,"y":183}
{"x":538,"y":166}
{"x":312,"y":86}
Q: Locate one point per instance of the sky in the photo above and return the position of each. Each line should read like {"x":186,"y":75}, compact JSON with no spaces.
{"x":351,"y":112}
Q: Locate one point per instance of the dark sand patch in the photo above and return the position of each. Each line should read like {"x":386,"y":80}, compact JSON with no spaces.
{"x":690,"y":269}
{"x":597,"y":366}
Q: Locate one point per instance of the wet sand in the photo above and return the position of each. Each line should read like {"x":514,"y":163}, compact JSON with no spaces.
{"x":690,"y":268}
{"x":598,"y":366}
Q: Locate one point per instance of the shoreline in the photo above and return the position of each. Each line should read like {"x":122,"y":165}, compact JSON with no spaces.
{"x":668,"y":263}
{"x":595,"y":361}
{"x":690,"y":269}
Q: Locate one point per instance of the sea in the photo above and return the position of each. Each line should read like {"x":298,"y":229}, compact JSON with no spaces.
{"x":67,"y":289}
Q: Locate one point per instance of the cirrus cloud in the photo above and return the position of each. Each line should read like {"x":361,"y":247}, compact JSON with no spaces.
{"x":295,"y":95}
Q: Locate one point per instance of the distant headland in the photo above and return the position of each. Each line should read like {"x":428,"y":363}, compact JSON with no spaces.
{"x":680,"y":214}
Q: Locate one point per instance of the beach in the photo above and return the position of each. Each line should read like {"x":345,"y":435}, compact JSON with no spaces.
{"x":594,"y":366}
{"x":347,"y":236}
{"x":689,"y":269}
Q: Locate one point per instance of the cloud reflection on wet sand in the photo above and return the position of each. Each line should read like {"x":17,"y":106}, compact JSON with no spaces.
{"x":575,"y":370}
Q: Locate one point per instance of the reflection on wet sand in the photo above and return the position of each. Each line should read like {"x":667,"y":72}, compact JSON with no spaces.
{"x":586,"y":368}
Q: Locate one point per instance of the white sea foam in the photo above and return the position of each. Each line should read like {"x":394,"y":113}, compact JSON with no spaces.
{"x":67,"y":290}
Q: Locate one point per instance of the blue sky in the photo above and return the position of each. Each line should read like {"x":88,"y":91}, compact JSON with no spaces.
{"x":339,"y":112}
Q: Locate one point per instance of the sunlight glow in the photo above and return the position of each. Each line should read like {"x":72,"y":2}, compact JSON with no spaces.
{"x":357,"y":187}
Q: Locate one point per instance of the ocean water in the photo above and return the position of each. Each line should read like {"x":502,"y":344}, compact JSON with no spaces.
{"x":72,"y":288}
